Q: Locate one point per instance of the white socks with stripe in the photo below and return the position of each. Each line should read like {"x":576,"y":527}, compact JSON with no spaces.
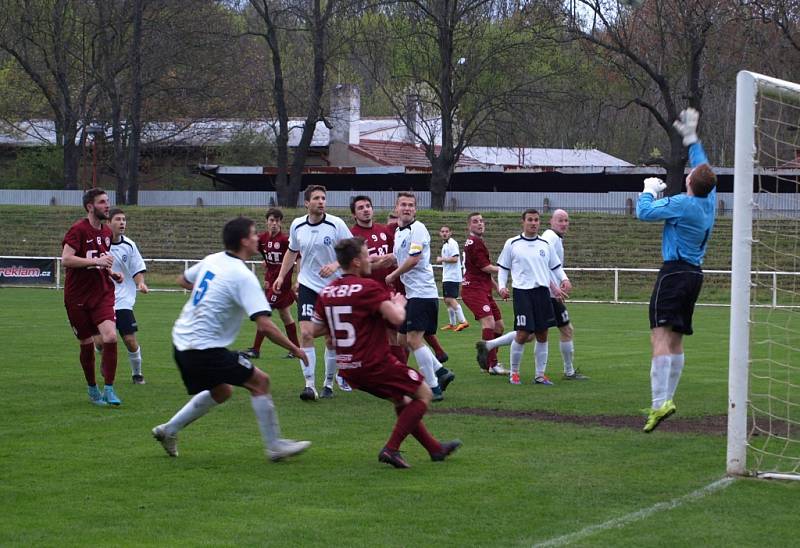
{"x":136,"y":361}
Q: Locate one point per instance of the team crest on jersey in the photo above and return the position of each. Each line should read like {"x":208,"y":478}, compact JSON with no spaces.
{"x":124,"y":258}
{"x":383,"y":236}
{"x":108,"y":241}
{"x":413,"y":374}
{"x":327,"y":240}
{"x":487,"y":308}
{"x":541,"y":252}
{"x":277,"y":245}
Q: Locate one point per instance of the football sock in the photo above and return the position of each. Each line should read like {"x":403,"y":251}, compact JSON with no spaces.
{"x":308,"y":370}
{"x":433,"y":341}
{"x":291,"y":332}
{"x":460,"y":314}
{"x":487,"y":334}
{"x":425,"y":359}
{"x":330,"y":366}
{"x":87,"y":363}
{"x":541,"y":351}
{"x":108,"y":364}
{"x":421,"y":434}
{"x":452,"y":314}
{"x":199,"y":405}
{"x":136,"y":361}
{"x":502,"y":340}
{"x":659,"y":379}
{"x":516,"y":355}
{"x":567,"y":351}
{"x":407,"y":420}
{"x":399,"y":353}
{"x":267,"y":418}
{"x":259,"y":339}
{"x":675,"y":370}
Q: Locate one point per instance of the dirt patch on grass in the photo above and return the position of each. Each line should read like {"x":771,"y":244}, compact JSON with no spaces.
{"x":713,"y":424}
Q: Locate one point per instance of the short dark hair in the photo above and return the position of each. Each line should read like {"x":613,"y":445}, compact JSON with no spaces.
{"x":115,"y":211}
{"x":703,"y":180}
{"x":347,"y":250}
{"x":529,"y":212}
{"x":471,"y":215}
{"x":311,"y":189}
{"x":359,"y":198}
{"x":406,"y":194}
{"x":234,"y":231}
{"x":90,"y":195}
{"x":274,"y":212}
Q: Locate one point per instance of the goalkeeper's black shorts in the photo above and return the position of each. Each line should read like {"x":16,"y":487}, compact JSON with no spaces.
{"x":674,"y":296}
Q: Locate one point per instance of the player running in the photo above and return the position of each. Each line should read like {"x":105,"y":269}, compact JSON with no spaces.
{"x":688,"y":222}
{"x":273,"y":244}
{"x":89,"y":292}
{"x":224,"y":290}
{"x":353,"y":310}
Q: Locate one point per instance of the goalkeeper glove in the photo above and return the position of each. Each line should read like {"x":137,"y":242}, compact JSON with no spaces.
{"x":686,"y":124}
{"x":654,"y":185}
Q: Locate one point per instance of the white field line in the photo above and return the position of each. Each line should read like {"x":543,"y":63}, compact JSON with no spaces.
{"x":638,"y":515}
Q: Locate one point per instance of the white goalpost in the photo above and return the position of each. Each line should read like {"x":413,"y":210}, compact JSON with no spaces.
{"x":764,"y":360}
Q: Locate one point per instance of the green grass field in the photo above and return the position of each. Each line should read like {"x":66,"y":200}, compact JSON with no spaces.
{"x":537,"y":465}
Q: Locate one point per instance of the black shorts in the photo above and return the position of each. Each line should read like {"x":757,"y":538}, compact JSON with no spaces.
{"x":674,"y":296}
{"x":450,"y":289}
{"x":421,"y":315}
{"x":205,"y":369}
{"x":126,"y":322}
{"x":560,"y":311}
{"x":533,"y":311}
{"x":306,"y":301}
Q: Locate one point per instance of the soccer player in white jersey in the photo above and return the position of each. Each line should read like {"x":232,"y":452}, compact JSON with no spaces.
{"x":452,"y":276}
{"x":313,"y":236}
{"x":412,"y":252}
{"x":127,"y":260}
{"x":530,"y":261}
{"x":224,"y":290}
{"x":559,"y":225}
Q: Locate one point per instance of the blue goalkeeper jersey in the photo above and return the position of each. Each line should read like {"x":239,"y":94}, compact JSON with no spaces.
{"x":688,"y":220}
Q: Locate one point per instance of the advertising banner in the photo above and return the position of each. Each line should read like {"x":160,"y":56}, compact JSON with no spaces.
{"x":22,"y":271}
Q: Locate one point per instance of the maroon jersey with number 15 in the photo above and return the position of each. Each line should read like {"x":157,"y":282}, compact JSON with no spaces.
{"x":350,"y":308}
{"x":88,"y":286}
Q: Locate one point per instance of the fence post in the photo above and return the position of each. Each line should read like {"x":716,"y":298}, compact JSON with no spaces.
{"x":616,"y":285}
{"x":58,"y":272}
{"x":774,"y":290}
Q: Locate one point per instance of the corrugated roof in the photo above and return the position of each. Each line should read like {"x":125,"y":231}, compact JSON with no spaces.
{"x":392,"y":153}
{"x":556,"y":157}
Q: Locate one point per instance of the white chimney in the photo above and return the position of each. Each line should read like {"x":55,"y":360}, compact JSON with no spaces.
{"x":345,"y":114}
{"x":412,"y":114}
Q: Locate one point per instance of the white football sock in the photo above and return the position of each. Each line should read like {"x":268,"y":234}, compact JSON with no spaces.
{"x":659,"y":379}
{"x":330,"y":366}
{"x":452,"y":315}
{"x":541,"y":351}
{"x":460,"y":314}
{"x":567,"y":351}
{"x":502,"y":340}
{"x":136,"y":361}
{"x":309,"y":371}
{"x":425,"y":359}
{"x":267,"y":418}
{"x":516,"y":355}
{"x":675,"y":370}
{"x":199,"y":405}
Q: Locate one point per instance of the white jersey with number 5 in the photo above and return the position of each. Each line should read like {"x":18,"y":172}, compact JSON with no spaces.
{"x":315,"y":244}
{"x":225,"y":290}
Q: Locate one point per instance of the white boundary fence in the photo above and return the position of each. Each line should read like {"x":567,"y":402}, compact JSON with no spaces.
{"x":614,"y":271}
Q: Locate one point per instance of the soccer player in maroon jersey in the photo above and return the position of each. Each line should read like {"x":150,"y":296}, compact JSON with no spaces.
{"x":272,"y":245}
{"x":476,"y":291}
{"x":353,"y":310}
{"x":89,"y":292}
{"x":379,"y":240}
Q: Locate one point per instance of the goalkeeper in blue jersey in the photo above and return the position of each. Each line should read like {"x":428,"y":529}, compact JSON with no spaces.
{"x":688,"y":221}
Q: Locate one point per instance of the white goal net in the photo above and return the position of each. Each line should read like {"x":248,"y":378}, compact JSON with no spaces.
{"x":764,"y":375}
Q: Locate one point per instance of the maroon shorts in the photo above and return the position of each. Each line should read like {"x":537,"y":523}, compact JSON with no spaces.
{"x":277,"y":301}
{"x":84,"y":320}
{"x":480,"y":303}
{"x":391,"y":380}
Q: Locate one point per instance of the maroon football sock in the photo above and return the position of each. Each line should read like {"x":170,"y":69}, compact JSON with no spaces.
{"x":408,"y":417}
{"x":291,"y":332}
{"x":87,"y":363}
{"x":399,"y":353}
{"x":488,"y":335}
{"x":109,"y":362}
{"x":433,"y":341}
{"x":258,"y":341}
{"x":425,"y":438}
